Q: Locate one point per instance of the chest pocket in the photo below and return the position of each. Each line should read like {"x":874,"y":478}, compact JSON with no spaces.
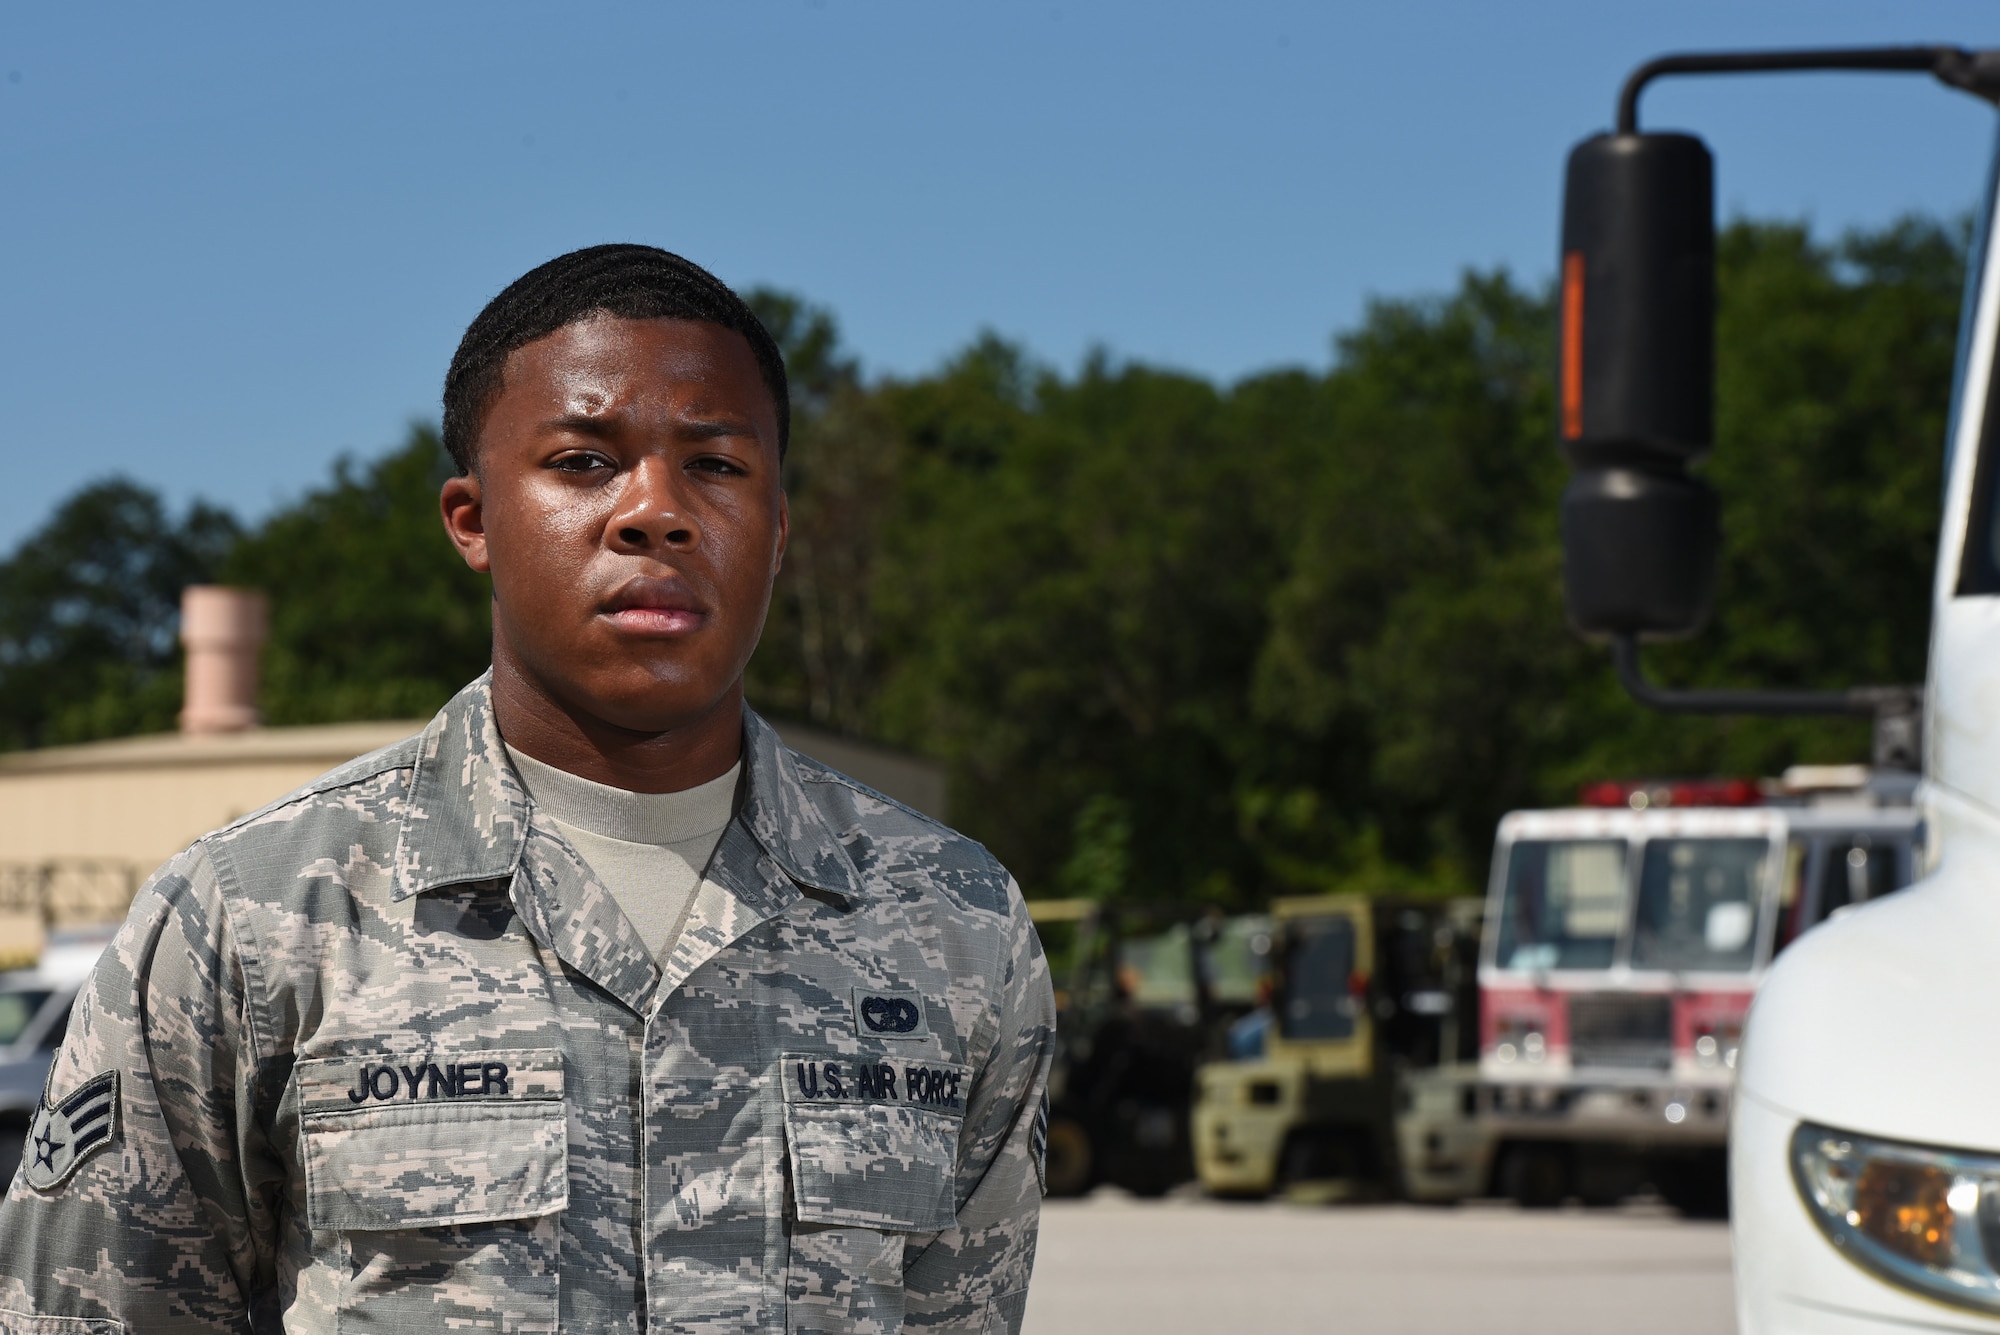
{"x":436,"y":1188}
{"x":873,"y":1141}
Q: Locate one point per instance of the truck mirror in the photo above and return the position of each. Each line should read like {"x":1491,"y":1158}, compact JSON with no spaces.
{"x":1638,"y":298}
{"x":1638,"y":551}
{"x":1636,"y":383}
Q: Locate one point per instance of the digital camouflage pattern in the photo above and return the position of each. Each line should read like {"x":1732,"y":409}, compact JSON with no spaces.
{"x":389,"y":1059}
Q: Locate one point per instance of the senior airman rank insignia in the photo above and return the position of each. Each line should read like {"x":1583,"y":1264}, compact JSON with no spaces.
{"x":62,"y":1135}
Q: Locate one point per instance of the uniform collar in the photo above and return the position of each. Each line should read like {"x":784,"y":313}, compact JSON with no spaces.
{"x":468,"y":815}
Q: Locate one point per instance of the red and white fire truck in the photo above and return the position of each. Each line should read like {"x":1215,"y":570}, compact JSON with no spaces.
{"x":1624,"y":940}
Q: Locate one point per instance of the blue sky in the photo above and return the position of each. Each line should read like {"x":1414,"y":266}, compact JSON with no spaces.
{"x":237,"y":241}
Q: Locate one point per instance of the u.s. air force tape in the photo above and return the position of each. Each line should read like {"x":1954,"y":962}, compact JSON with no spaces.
{"x":812,"y":1079}
{"x":63,"y":1134}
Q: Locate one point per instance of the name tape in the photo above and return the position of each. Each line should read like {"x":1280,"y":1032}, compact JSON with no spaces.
{"x":354,"y":1082}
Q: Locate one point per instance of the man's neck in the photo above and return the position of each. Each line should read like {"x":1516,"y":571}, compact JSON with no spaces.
{"x":534,"y":721}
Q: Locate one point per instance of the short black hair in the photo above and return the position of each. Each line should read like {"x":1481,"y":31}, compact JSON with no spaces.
{"x":633,"y":282}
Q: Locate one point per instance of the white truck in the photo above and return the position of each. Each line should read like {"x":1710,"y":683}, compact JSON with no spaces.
{"x":1864,"y":1147}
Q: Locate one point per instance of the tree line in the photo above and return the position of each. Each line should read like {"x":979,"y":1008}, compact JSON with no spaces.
{"x":1174,"y":639}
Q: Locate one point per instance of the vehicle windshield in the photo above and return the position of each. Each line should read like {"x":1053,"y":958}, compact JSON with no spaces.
{"x":1158,"y":971}
{"x":1238,"y":960}
{"x":1564,"y":904}
{"x":17,"y":1009}
{"x":1698,"y":904}
{"x":1318,"y":979}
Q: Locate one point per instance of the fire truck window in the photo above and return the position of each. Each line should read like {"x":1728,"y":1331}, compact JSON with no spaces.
{"x":1858,"y":868}
{"x":1698,"y":904}
{"x":1319,"y":980}
{"x":1792,"y":898}
{"x":1563,"y":905}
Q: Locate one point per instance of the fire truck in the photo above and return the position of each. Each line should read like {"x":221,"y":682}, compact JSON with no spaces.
{"x":1624,"y":941}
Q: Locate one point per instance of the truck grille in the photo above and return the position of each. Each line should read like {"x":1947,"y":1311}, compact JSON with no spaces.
{"x":1621,"y":1029}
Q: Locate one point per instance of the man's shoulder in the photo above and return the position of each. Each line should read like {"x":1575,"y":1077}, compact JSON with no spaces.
{"x":891,"y":841}
{"x":324,"y":812}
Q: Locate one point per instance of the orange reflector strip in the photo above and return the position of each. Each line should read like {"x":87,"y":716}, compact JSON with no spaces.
{"x":1572,"y":345}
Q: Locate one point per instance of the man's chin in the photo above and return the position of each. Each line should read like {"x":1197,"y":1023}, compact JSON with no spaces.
{"x":651,"y":707}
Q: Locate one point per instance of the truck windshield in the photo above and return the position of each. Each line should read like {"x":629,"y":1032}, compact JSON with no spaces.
{"x":16,"y":1010}
{"x":1698,"y":904}
{"x":1564,"y":904}
{"x":1158,"y":971}
{"x":1318,"y":974}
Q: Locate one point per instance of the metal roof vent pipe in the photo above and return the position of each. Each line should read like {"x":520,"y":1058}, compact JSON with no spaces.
{"x":223,"y":631}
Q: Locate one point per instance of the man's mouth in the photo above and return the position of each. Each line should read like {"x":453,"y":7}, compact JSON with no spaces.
{"x":656,"y":607}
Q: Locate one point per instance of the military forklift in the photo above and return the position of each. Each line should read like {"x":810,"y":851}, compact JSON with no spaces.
{"x":1367,"y":1085}
{"x":1144,"y":995}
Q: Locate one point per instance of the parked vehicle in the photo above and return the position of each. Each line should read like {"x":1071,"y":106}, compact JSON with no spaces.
{"x":1624,"y":943}
{"x":1365,"y":1086}
{"x":34,"y":1015}
{"x":1143,"y":996}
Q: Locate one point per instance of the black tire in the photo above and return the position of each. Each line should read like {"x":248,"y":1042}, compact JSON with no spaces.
{"x":1697,"y":1186}
{"x":1071,"y":1167}
{"x":1537,"y":1177}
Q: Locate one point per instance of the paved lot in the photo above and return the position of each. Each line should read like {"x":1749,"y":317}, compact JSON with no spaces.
{"x":1188,"y":1265}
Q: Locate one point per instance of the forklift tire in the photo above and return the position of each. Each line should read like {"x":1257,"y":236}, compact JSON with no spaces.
{"x":1535,"y":1176}
{"x":1070,"y":1166}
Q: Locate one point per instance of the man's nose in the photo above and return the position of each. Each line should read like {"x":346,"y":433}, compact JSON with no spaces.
{"x":652,"y":511}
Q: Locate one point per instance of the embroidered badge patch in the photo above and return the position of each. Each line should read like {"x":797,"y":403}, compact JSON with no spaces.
{"x":64,"y":1134}
{"x":889,"y":1014}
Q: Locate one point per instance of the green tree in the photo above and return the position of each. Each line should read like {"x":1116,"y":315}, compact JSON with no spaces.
{"x":89,"y":611}
{"x":373,"y":614}
{"x":1175,"y":640}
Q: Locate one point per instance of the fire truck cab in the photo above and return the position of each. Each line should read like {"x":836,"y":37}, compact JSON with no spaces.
{"x":1624,"y":942}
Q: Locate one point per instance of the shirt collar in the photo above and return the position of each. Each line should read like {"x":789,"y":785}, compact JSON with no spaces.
{"x":467,"y":815}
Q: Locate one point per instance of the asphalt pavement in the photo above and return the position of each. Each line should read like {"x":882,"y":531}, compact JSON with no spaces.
{"x":1111,"y":1263}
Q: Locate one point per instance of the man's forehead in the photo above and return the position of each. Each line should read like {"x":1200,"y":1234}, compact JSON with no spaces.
{"x":608,"y":364}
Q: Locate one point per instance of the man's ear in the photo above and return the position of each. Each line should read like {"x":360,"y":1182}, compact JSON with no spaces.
{"x":461,"y":504}
{"x":784,"y":534}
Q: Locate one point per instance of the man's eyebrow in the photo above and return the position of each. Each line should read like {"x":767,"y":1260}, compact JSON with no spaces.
{"x":714,"y":428}
{"x":705,"y":428}
{"x":581,"y":424}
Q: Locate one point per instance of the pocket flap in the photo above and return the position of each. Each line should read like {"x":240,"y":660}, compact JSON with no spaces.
{"x":496,"y":1149}
{"x":876,"y":1146}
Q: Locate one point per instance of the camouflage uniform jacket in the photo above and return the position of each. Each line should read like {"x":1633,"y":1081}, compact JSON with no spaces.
{"x":385,"y":1057}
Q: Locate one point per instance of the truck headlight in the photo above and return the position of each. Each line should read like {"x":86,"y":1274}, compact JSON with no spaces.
{"x":1925,"y":1219}
{"x":1518,"y":1038}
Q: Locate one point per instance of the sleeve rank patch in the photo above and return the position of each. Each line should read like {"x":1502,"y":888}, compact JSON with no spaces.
{"x":1038,"y":1142}
{"x":63,"y":1135}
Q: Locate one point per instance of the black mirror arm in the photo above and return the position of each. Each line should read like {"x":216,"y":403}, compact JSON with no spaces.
{"x":1898,"y":711}
{"x":1975,"y":72}
{"x":1860,"y":701}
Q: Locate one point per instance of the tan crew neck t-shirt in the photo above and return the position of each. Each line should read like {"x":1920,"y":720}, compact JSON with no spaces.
{"x":649,"y":849}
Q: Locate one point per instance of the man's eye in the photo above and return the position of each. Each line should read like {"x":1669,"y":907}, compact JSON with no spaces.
{"x":710,"y":464}
{"x":578,"y":463}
